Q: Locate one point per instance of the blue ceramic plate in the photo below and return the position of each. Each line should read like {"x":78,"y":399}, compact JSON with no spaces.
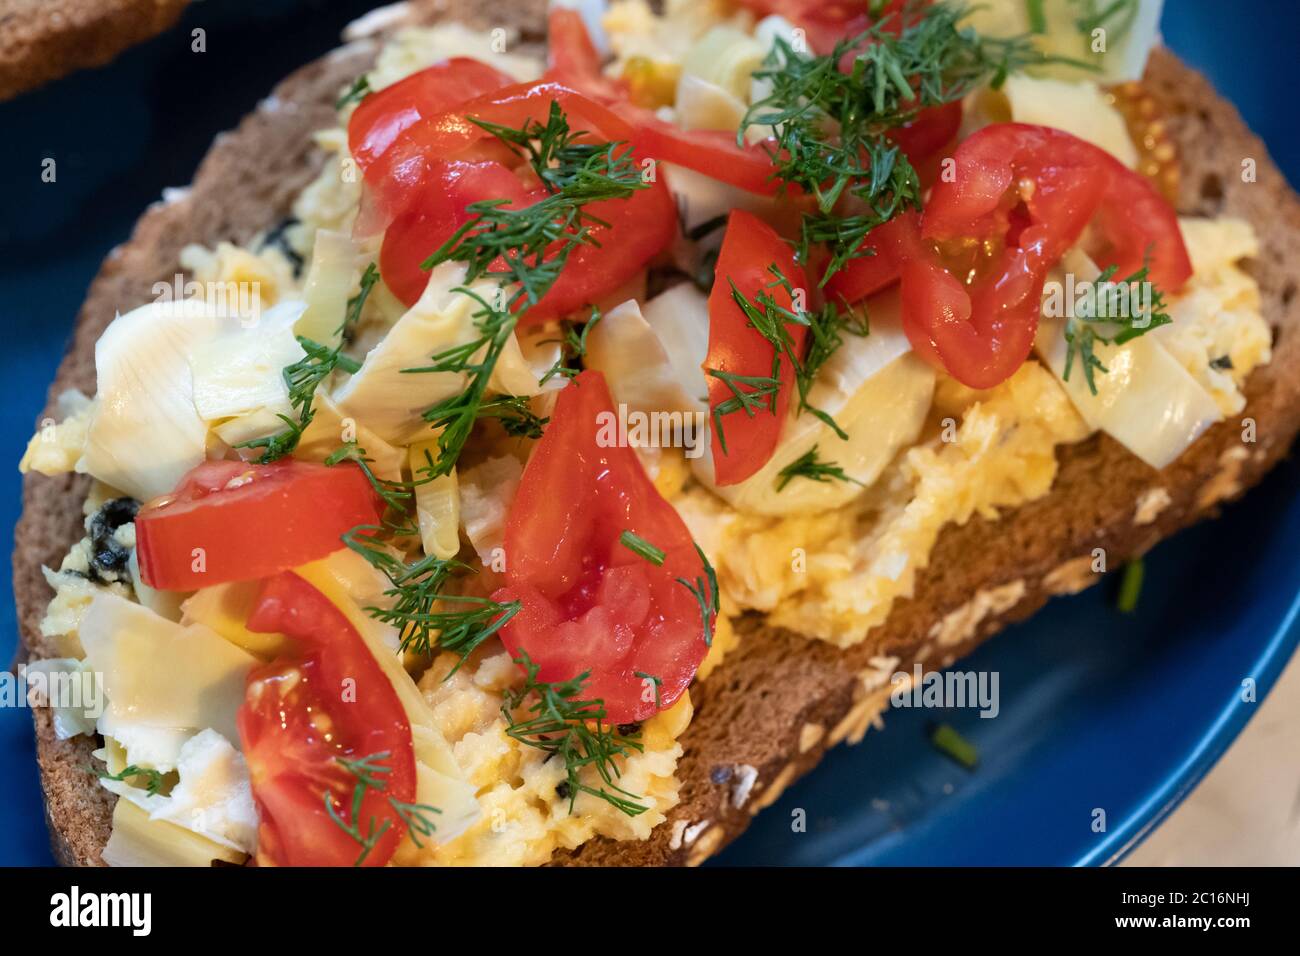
{"x":1098,"y":710}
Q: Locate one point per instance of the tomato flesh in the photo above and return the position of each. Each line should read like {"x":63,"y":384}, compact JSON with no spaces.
{"x":436,"y":211}
{"x":711,"y":152}
{"x":589,"y":604}
{"x":235,"y":521}
{"x":826,"y":22}
{"x":382,"y":116}
{"x":572,"y":58}
{"x":880,"y":260}
{"x":750,"y":247}
{"x":1031,"y":191}
{"x":442,"y":165}
{"x":301,"y":714}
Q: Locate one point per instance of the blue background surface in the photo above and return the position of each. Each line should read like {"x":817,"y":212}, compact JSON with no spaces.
{"x":1099,"y":710}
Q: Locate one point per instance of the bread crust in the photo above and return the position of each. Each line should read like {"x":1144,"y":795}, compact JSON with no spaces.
{"x":42,"y":40}
{"x":767,"y":715}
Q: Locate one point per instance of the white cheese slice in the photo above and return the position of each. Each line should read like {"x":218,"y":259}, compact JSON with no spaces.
{"x":145,"y":432}
{"x":159,"y":675}
{"x":701,"y":199}
{"x":680,"y":318}
{"x":213,"y":796}
{"x":1116,"y":47}
{"x":138,"y":841}
{"x":1079,"y":108}
{"x":76,"y":713}
{"x":725,"y":57}
{"x":241,"y":369}
{"x":1145,"y":400}
{"x":486,"y":491}
{"x":437,"y":505}
{"x":704,"y":105}
{"x":630,"y":353}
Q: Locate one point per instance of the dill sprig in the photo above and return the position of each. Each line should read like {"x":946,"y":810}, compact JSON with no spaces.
{"x":153,"y":779}
{"x":515,"y":415}
{"x":824,"y":339}
{"x":705,"y":591}
{"x":455,"y":415}
{"x":749,"y":393}
{"x":771,"y":320}
{"x":831,"y":127}
{"x":395,"y":494}
{"x":355,"y":93}
{"x":1098,"y":13}
{"x":809,"y":466}
{"x":370,"y":773}
{"x":303,"y":377}
{"x":428,"y":619}
{"x":573,"y":347}
{"x":656,"y":681}
{"x":533,"y":243}
{"x":524,"y":249}
{"x":1083,"y":332}
{"x":558,"y":721}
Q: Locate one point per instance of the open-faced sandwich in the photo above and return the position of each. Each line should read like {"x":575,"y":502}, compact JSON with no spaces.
{"x":536,"y":437}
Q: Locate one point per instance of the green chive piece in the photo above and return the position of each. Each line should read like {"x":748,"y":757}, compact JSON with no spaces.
{"x":1130,"y":586}
{"x":954,"y":746}
{"x":642,"y":548}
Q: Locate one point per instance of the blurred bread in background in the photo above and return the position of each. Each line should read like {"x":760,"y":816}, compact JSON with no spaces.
{"x":42,"y":40}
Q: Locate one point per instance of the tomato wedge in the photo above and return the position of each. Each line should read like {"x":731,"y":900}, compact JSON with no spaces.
{"x":590,"y":604}
{"x":884,"y":249}
{"x":743,"y":439}
{"x":1032,"y":191}
{"x":572,"y":59}
{"x":381,"y":117}
{"x":711,"y":152}
{"x":436,"y":211}
{"x":301,"y":715}
{"x":439,"y":168}
{"x":826,"y":22}
{"x":235,"y":521}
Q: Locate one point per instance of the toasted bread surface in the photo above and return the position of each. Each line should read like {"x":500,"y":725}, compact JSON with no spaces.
{"x":42,"y":40}
{"x":768,"y":713}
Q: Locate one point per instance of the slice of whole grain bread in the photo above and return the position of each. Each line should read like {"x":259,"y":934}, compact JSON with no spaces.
{"x":768,"y":713}
{"x":42,"y":40}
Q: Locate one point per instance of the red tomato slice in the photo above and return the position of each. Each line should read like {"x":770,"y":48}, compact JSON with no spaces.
{"x":235,"y":521}
{"x":891,"y":245}
{"x":1129,"y":212}
{"x":1135,"y":221}
{"x":1033,"y":190}
{"x":640,"y":228}
{"x":926,"y":139}
{"x":749,"y":248}
{"x":929,"y":132}
{"x":382,"y":116}
{"x":301,"y":714}
{"x":432,"y":181}
{"x":711,"y":152}
{"x":589,"y":603}
{"x":572,"y":59}
{"x":448,"y":134}
{"x":825,"y":22}
{"x":434,"y":211}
